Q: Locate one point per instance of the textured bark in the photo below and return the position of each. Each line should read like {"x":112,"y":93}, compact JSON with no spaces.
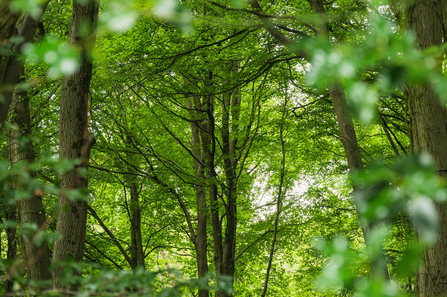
{"x":11,"y":68}
{"x":201,"y":237}
{"x":208,"y":151}
{"x":355,"y":162}
{"x":136,"y":246}
{"x":75,"y":140}
{"x":36,"y":258}
{"x":136,"y":242}
{"x":230,"y":108}
{"x":429,"y":134}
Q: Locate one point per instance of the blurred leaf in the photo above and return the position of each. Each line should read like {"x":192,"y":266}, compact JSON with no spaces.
{"x":120,"y":16}
{"x":425,"y":217}
{"x":62,"y":58}
{"x":33,"y":7}
{"x":175,"y":13}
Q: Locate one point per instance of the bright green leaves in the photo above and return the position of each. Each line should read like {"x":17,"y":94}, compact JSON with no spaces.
{"x":62,"y":58}
{"x":33,"y":7}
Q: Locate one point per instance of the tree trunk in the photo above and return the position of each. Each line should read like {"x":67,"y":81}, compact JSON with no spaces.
{"x":429,"y":134}
{"x":279,"y":197}
{"x":136,"y":246}
{"x":136,"y":242}
{"x":201,"y":237}
{"x":36,"y":258}
{"x":230,"y":106}
{"x":75,"y":140}
{"x":11,"y":68}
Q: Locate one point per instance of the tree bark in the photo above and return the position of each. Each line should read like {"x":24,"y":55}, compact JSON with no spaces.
{"x":136,"y":245}
{"x":136,"y":242}
{"x":36,"y":258}
{"x":75,"y":140}
{"x":230,"y":108}
{"x":429,"y":134}
{"x":11,"y":68}
{"x":201,"y":237}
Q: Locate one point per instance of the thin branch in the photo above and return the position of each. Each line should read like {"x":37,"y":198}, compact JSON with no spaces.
{"x":115,"y":240}
{"x":251,"y":244}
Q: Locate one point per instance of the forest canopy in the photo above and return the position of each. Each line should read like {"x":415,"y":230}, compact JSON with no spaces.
{"x":226,"y":148}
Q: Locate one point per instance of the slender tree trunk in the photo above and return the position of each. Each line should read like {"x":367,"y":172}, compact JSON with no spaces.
{"x":137,"y":251}
{"x":136,"y":242}
{"x":207,"y":131}
{"x":75,"y":140}
{"x":201,"y":237}
{"x":208,"y":150}
{"x":278,"y":200}
{"x":36,"y":258}
{"x":429,"y":134}
{"x":230,"y":107}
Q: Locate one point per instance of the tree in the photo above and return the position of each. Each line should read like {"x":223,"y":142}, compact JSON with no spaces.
{"x":429,"y":134}
{"x":75,"y":140}
{"x":228,"y":136}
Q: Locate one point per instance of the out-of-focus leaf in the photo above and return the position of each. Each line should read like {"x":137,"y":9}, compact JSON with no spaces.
{"x":33,"y":7}
{"x":62,"y":58}
{"x":425,"y":217}
{"x":175,"y":13}
{"x":119,"y":16}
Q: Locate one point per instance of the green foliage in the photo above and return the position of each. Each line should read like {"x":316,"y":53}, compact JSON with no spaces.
{"x":141,"y":120}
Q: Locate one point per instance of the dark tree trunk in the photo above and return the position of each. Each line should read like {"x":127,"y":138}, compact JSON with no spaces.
{"x":75,"y":140}
{"x":11,"y":68}
{"x":136,"y":246}
{"x":429,"y":134}
{"x":201,"y":237}
{"x":136,"y":242}
{"x":36,"y":259}
{"x":230,"y":125}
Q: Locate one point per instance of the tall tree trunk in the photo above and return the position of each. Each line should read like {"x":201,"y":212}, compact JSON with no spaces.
{"x":11,"y":66}
{"x":136,"y":246}
{"x":136,"y":242}
{"x":201,"y":237}
{"x":208,"y":149}
{"x":429,"y":135}
{"x":279,"y":199}
{"x":230,"y":107}
{"x":75,"y":140}
{"x":36,"y":258}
